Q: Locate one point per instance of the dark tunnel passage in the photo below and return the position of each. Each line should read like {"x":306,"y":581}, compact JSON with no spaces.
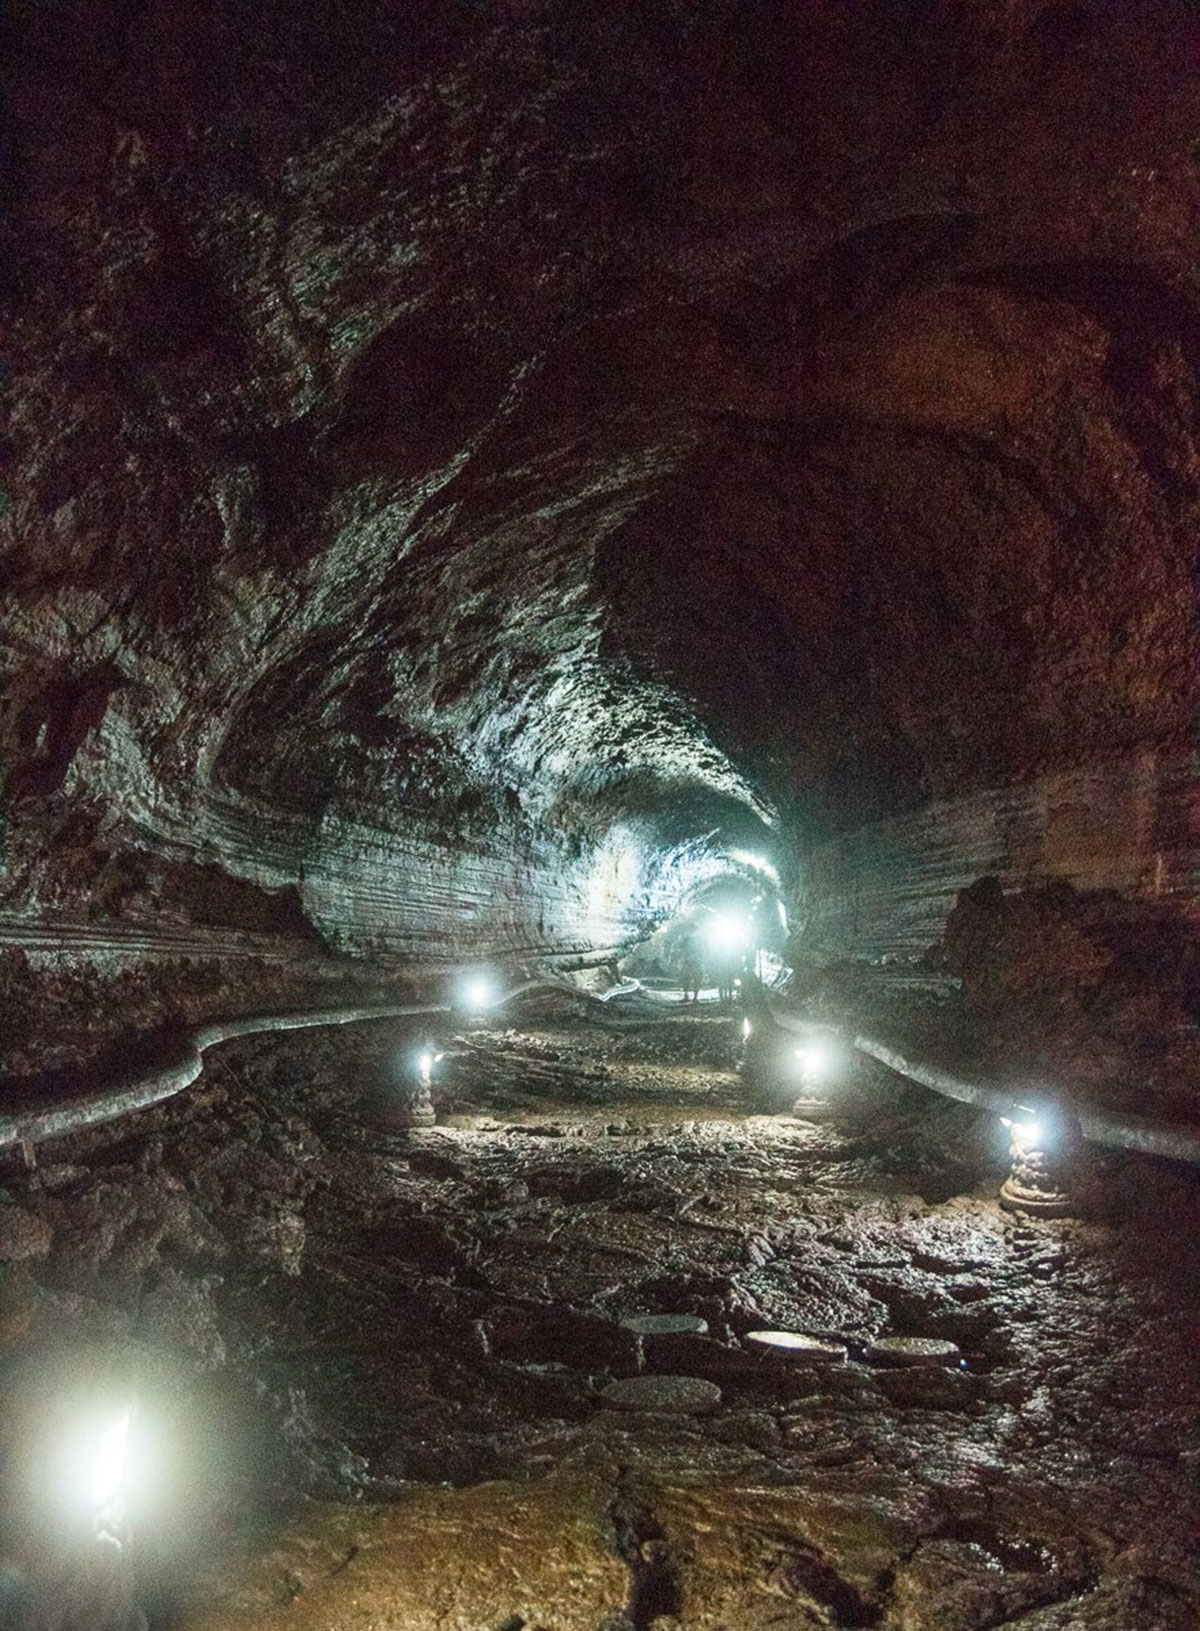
{"x":599,"y":985}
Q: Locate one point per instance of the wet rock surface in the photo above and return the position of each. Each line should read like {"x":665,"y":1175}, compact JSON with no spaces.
{"x":470,"y":473}
{"x":385,"y":1358}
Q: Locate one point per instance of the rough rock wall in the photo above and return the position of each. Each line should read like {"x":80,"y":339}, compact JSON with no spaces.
{"x":293,"y":589}
{"x":1129,"y":826}
{"x":449,"y":449}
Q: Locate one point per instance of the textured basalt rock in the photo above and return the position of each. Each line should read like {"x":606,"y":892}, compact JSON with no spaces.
{"x":467,"y":466}
{"x":22,"y":1235}
{"x":447,"y":1346}
{"x":1105,"y":988}
{"x":1125,"y":826}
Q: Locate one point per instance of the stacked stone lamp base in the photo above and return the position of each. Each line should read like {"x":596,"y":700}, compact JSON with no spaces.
{"x":1042,"y":1154}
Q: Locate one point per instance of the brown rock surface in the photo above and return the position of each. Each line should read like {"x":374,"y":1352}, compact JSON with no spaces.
{"x":474,"y":473}
{"x":22,"y":1234}
{"x":500,"y":1554}
{"x":434,"y":1333}
{"x":456,"y":457}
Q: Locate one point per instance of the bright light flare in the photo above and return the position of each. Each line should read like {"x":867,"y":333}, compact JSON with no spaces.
{"x":746,"y":1029}
{"x":110,"y":1469}
{"x":90,"y":1462}
{"x":1028,"y":1132}
{"x":725,"y":933}
{"x":478,"y":993}
{"x":89,"y":1473}
{"x":815,"y":1059}
{"x":425,"y":1063}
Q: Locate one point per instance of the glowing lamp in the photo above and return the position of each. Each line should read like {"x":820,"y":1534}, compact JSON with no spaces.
{"x":746,"y":1029}
{"x":94,"y":1469}
{"x":814,"y":1060}
{"x":426,"y":1060}
{"x":1040,"y":1152}
{"x":725,"y":933}
{"x":110,"y":1469}
{"x":411,"y":1104}
{"x":478,"y":993}
{"x":1029,"y":1134}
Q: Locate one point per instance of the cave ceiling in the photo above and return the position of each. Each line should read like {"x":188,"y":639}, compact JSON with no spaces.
{"x":479,"y":419}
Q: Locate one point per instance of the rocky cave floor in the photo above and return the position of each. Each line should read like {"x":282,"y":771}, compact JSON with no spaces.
{"x":376,"y":1358}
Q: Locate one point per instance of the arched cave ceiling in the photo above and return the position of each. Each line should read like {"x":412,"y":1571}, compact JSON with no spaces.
{"x":481,"y":431}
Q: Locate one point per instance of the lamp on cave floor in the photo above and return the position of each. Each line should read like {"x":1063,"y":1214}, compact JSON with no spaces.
{"x":814,"y":1061}
{"x":417,"y":1110}
{"x":109,"y":1477}
{"x":92,"y":1470}
{"x":725,"y":934}
{"x":1043,"y":1145}
{"x":408,"y":1100}
{"x":86,"y":1478}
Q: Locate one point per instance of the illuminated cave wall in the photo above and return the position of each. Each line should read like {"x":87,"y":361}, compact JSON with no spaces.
{"x":464,"y":466}
{"x":1126,"y":826}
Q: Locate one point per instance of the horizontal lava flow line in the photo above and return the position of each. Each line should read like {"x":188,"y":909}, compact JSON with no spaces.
{"x":74,"y":1115}
{"x":93,"y":1109}
{"x":47,"y":934}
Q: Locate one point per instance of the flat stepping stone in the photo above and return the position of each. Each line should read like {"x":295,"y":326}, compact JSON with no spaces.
{"x":795,"y":1345}
{"x":913,"y":1351}
{"x":666,"y":1325}
{"x":663,"y":1395}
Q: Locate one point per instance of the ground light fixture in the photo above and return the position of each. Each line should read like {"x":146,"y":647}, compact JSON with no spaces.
{"x":1043,"y":1144}
{"x":110,"y":1474}
{"x":85,"y":1485}
{"x":814,"y":1063}
{"x":427,"y":1061}
{"x":93,"y":1469}
{"x":411,"y":1104}
{"x":1027,"y":1132}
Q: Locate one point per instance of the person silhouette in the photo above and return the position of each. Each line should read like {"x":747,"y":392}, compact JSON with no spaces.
{"x":691,"y":968}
